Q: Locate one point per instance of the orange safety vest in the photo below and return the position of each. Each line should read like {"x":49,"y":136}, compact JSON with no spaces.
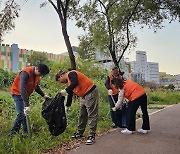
{"x":31,"y":85}
{"x":132,"y":90}
{"x":114,"y":89}
{"x":84,"y":84}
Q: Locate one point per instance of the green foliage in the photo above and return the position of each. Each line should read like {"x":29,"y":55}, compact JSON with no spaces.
{"x":109,"y":23}
{"x":171,"y":87}
{"x":38,"y":58}
{"x":6,"y":78}
{"x":86,"y":49}
{"x":163,"y":97}
{"x":8,"y":13}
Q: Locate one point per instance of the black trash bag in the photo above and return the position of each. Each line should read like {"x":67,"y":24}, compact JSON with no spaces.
{"x":53,"y":111}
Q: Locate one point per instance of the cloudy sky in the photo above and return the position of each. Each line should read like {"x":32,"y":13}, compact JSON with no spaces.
{"x":40,"y":30}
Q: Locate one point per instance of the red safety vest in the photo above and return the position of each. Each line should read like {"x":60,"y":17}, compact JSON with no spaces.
{"x":114,"y":89}
{"x":31,"y":85}
{"x":132,"y":90}
{"x":84,"y":84}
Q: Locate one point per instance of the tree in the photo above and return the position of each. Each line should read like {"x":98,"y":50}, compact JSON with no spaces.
{"x":38,"y":58}
{"x":85,"y":49}
{"x":7,"y":16}
{"x":109,"y":23}
{"x":65,"y":9}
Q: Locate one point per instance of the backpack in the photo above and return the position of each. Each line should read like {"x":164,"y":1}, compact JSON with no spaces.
{"x":53,"y":112}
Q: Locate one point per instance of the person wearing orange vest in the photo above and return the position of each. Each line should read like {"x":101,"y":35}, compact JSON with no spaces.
{"x":113,"y":93}
{"x":136,"y":95}
{"x":83,"y":87}
{"x":24,"y":84}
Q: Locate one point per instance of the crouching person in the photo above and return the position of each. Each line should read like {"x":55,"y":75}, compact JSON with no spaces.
{"x":82,"y":86}
{"x":137,"y":97}
{"x":23,"y":86}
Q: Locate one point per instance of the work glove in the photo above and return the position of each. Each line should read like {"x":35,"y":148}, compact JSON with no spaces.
{"x":66,"y":109}
{"x":26,"y":110}
{"x":46,"y":97}
{"x":63,"y":92}
{"x":118,"y":106}
{"x":110,"y":92}
{"x":114,"y":109}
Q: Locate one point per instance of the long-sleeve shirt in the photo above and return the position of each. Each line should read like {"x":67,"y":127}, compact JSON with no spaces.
{"x":120,"y":98}
{"x":24,"y":76}
{"x":74,"y":82}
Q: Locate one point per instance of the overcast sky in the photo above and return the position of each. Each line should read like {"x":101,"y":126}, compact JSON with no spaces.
{"x":40,"y":30}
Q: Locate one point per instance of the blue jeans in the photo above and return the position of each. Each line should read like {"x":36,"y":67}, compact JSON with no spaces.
{"x":20,"y":118}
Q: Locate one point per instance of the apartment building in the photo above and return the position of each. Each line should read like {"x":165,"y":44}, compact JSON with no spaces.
{"x":142,"y":70}
{"x":13,"y":59}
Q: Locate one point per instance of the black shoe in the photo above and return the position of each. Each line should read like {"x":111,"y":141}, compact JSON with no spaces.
{"x":77,"y":135}
{"x":114,"y":125}
{"x":90,"y":140}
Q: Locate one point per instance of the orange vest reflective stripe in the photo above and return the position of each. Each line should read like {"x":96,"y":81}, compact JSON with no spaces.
{"x":31,"y":85}
{"x":114,"y":89}
{"x":84,"y":84}
{"x":132,"y":90}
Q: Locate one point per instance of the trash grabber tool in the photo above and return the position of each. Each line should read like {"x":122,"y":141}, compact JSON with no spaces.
{"x":113,"y":100}
{"x":28,"y":124}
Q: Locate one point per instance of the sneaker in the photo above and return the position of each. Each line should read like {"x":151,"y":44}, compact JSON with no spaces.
{"x":77,"y":135}
{"x":142,"y":131}
{"x":90,"y":140}
{"x":126,"y":131}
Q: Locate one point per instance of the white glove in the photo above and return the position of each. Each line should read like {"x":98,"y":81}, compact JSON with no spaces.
{"x":63,"y":92}
{"x":110,"y":92}
{"x":26,"y":110}
{"x":46,"y":97}
{"x":66,"y":109}
{"x":118,"y":106}
{"x":114,"y":109}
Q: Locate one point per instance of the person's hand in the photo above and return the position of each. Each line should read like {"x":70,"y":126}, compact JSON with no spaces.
{"x":26,"y":110}
{"x":66,"y":109}
{"x":63,"y":92}
{"x":118,"y":106}
{"x":110,"y":92}
{"x":114,"y":109}
{"x":46,"y":97}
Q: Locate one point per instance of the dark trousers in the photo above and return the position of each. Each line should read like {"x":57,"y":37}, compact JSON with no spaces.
{"x":133,"y":107}
{"x":20,"y":118}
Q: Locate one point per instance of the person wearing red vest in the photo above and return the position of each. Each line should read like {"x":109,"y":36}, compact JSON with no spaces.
{"x":23,"y":86}
{"x":113,"y":93}
{"x":136,"y":95}
{"x":83,"y":87}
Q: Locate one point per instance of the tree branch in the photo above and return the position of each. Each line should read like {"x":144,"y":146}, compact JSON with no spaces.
{"x":127,"y":26}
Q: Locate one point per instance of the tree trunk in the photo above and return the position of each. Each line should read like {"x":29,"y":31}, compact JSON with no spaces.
{"x":69,"y":48}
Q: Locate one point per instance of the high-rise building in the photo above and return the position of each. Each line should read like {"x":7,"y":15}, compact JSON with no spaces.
{"x":143,"y":70}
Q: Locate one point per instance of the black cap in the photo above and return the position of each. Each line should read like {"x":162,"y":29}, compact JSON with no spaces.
{"x":43,"y":69}
{"x":58,"y":74}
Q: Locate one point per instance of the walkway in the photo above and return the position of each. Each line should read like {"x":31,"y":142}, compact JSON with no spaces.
{"x":164,"y":137}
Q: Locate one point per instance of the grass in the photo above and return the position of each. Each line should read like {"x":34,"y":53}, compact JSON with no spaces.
{"x":163,"y":97}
